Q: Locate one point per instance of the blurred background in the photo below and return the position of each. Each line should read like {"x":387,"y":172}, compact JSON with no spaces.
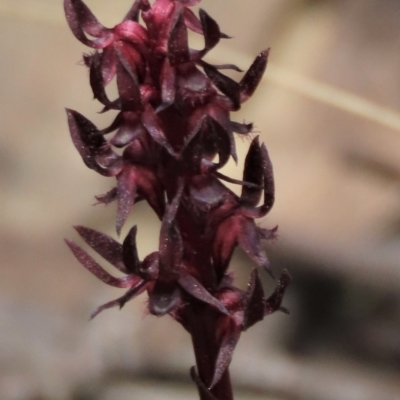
{"x":329,"y":112}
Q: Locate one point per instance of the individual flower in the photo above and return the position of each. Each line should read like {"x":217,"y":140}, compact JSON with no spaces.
{"x":161,"y":273}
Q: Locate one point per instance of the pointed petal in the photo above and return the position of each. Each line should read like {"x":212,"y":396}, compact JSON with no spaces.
{"x":128,"y":85}
{"x":126,"y":195}
{"x":104,"y":245}
{"x":81,"y":20}
{"x":225,"y":353}
{"x":253,"y":172}
{"x":211,"y":31}
{"x":204,"y":393}
{"x":194,"y":24}
{"x":153,"y":125}
{"x":273,"y":303}
{"x":168,"y":85}
{"x":130,"y":253}
{"x":92,"y":146}
{"x":253,"y":76}
{"x":226,"y":85}
{"x":97,"y":81}
{"x":192,"y":286}
{"x":178,"y":47}
{"x":269,"y":189}
{"x":133,"y":292}
{"x":254,"y":301}
{"x":269,"y":185}
{"x":92,"y":266}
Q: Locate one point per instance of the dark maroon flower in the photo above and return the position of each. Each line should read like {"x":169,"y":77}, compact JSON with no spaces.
{"x":167,"y":144}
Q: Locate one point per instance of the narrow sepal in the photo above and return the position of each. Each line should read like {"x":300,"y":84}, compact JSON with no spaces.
{"x":128,"y":85}
{"x":233,"y":67}
{"x":253,"y":76}
{"x":104,"y":245}
{"x":153,"y":125}
{"x":178,"y":48}
{"x":81,"y":21}
{"x":269,"y":189}
{"x":269,"y":185}
{"x":168,"y":86}
{"x":204,"y":393}
{"x":236,"y":181}
{"x":254,"y":304}
{"x":211,"y":32}
{"x":92,"y":147}
{"x":253,"y":172}
{"x":92,"y":266}
{"x":226,"y":85}
{"x":133,"y":292}
{"x":130,"y":253}
{"x":194,"y":23}
{"x":192,"y":286}
{"x":273,"y":303}
{"x":127,"y":191}
{"x":97,"y":81}
{"x":224,"y":358}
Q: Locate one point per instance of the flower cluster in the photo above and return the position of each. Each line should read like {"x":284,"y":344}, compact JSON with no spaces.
{"x":174,"y":128}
